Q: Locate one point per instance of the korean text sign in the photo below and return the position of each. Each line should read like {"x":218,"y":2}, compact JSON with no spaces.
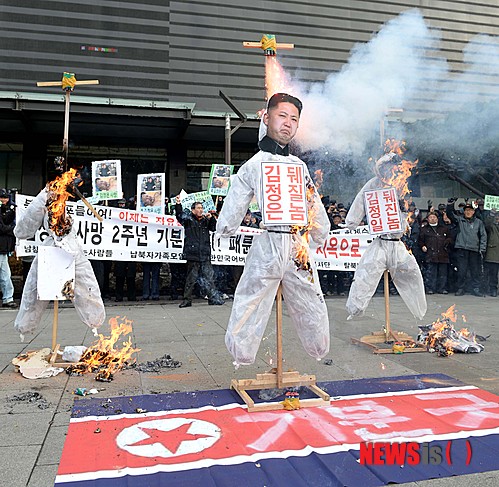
{"x":383,"y":215}
{"x":284,"y":194}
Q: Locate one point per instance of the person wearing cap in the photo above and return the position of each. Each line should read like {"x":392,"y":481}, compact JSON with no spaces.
{"x":272,"y":258}
{"x":470,"y":246}
{"x":7,"y":244}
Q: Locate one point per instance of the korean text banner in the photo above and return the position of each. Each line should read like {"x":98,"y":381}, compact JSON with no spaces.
{"x":134,"y":236}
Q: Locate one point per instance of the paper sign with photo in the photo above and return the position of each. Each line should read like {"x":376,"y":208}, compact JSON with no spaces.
{"x":151,"y":193}
{"x":220,"y":179}
{"x":106,"y":180}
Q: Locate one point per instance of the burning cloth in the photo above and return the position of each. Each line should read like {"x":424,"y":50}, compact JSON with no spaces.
{"x":272,"y":259}
{"x":387,"y":252}
{"x":442,"y":337}
{"x":87,"y":299}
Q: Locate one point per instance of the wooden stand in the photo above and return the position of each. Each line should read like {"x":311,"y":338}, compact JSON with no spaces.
{"x":382,"y":341}
{"x":277,"y":379}
{"x":56,"y":346}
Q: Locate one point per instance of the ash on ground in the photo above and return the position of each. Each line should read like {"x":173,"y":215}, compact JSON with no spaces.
{"x":31,"y":397}
{"x":164,"y":362}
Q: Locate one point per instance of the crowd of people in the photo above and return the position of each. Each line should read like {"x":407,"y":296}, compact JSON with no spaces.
{"x":457,"y":248}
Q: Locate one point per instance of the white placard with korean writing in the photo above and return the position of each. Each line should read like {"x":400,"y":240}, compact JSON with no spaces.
{"x":491,"y":202}
{"x":284,"y":194}
{"x":382,"y":210}
{"x":186,"y":200}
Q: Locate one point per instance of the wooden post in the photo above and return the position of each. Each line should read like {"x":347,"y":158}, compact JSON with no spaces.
{"x":388,"y":330}
{"x":279,"y":336}
{"x":276,"y":378}
{"x":67,"y":84}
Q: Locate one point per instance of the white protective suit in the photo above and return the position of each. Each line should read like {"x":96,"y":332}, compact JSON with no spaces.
{"x":386,"y":252}
{"x":269,"y":262}
{"x":87,"y":298}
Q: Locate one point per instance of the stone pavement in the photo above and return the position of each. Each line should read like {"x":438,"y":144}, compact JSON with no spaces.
{"x":31,"y":438}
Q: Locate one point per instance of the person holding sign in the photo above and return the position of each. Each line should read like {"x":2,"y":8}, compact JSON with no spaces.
{"x":291,"y":208}
{"x":387,"y":251}
{"x":197,"y":252}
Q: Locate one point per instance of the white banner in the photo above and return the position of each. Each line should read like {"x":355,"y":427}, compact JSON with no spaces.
{"x":134,"y":236}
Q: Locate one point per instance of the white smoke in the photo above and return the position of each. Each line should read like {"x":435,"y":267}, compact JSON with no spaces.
{"x":401,"y":67}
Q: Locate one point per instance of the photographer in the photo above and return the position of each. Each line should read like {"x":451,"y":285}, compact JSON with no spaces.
{"x":7,"y":244}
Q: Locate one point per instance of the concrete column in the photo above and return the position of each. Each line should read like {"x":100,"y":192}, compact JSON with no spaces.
{"x":177,"y":167}
{"x":33,"y":165}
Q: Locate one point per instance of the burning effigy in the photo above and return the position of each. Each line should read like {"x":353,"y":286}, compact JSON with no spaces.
{"x":387,"y":251}
{"x":48,"y":210}
{"x":443,"y":338}
{"x":104,"y":358}
{"x":280,"y":255}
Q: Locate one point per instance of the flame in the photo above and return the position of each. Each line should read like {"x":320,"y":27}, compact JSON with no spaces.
{"x":301,"y":234}
{"x":276,"y":79}
{"x":402,"y":171}
{"x":442,"y":328}
{"x":319,"y":178}
{"x":102,"y":357}
{"x":450,"y":314}
{"x":59,"y":222}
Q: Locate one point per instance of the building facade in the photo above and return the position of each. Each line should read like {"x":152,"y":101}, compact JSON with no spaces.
{"x":161,"y":65}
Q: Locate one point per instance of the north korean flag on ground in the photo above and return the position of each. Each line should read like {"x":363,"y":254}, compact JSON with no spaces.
{"x":208,"y":438}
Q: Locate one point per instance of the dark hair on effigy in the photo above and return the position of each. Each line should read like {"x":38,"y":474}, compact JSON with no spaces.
{"x":284,"y":98}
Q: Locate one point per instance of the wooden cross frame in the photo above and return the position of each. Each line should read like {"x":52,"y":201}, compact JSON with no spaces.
{"x":67,"y":83}
{"x":276,"y":378}
{"x":269,"y":45}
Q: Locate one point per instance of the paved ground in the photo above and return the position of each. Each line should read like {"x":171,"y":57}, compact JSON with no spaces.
{"x":31,"y":439}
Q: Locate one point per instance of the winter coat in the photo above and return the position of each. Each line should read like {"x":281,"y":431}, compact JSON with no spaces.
{"x":437,"y":241}
{"x":197,"y":246}
{"x":472,"y":235}
{"x":492,"y":228}
{"x":7,"y":239}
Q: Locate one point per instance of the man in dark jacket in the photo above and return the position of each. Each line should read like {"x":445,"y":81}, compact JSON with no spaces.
{"x":197,"y":252}
{"x":470,"y":246}
{"x":434,"y":241}
{"x":7,"y":244}
{"x":492,"y":255}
